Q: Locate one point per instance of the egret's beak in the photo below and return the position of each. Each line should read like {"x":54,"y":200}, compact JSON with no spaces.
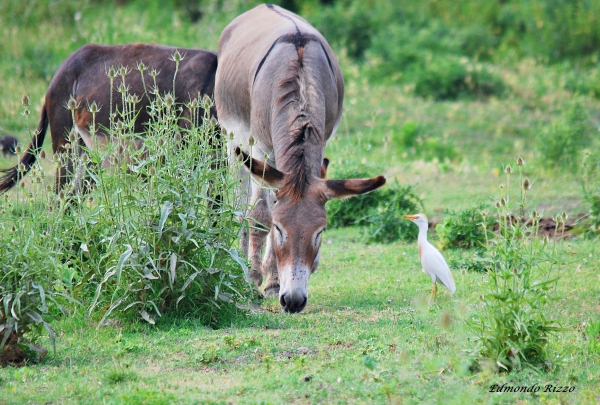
{"x":411,"y":217}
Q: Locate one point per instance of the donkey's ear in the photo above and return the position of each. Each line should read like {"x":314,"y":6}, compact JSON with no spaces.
{"x":269,"y":174}
{"x":324,"y":167}
{"x":348,"y":188}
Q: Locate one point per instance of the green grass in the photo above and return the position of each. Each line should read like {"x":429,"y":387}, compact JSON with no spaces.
{"x":364,"y":301}
{"x":367,"y":335}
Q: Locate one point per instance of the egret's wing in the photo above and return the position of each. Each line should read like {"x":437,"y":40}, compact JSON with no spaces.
{"x":434,"y":264}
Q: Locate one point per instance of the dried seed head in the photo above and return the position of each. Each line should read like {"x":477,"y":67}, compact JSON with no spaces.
{"x":72,"y":137}
{"x":564,"y":217}
{"x":133,"y":99}
{"x":213,"y":122}
{"x":151,"y":171}
{"x":90,"y":199}
{"x":159,"y":102}
{"x":13,"y":229}
{"x":251,"y":141}
{"x":121,"y":88}
{"x":55,"y":158}
{"x":18,"y":150}
{"x":169,"y":100}
{"x":61,"y":195}
{"x":72,"y":104}
{"x":119,"y":125}
{"x":178,"y":137}
{"x":85,"y":158}
{"x":176,"y":56}
{"x":119,"y":150}
{"x":515,"y":271}
{"x":22,"y":184}
{"x":68,"y":146}
{"x":161,"y":142}
{"x":141,"y":67}
{"x":206,"y":102}
{"x":25,"y":101}
{"x":21,"y":168}
{"x":111,"y":72}
{"x":446,"y":320}
{"x":498,"y":205}
{"x":25,"y":112}
{"x":123,"y":71}
{"x":508,"y":169}
{"x":154,"y":73}
{"x":503,"y":201}
{"x":527,"y":184}
{"x":535,"y":215}
{"x":37,"y":179}
{"x":43,"y":154}
{"x":48,"y":187}
{"x":93,"y":108}
{"x":484,"y":213}
{"x":520,"y":161}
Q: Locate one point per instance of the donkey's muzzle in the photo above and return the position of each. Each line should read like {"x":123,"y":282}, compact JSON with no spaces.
{"x":293,"y":302}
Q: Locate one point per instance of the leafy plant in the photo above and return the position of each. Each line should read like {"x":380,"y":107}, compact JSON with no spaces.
{"x":590,"y":183}
{"x":379,"y":213}
{"x":512,"y":327}
{"x":464,"y":229}
{"x":567,"y":136}
{"x":386,"y":224}
{"x":164,"y":244}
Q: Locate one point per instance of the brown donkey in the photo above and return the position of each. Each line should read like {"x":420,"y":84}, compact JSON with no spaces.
{"x":279,"y":91}
{"x":83,"y":79}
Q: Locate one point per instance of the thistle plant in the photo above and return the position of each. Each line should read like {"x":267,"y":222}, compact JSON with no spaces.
{"x":511,"y":327}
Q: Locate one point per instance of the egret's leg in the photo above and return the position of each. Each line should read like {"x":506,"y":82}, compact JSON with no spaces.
{"x":433,"y":293}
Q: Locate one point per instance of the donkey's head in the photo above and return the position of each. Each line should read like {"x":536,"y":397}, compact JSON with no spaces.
{"x":298,"y":222}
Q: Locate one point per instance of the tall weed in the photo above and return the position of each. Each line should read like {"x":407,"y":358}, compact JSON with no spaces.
{"x":511,"y":326}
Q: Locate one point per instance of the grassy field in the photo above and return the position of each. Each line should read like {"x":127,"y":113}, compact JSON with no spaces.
{"x":367,"y":335}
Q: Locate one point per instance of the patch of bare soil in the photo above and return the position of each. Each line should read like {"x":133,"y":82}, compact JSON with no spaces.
{"x":17,"y":351}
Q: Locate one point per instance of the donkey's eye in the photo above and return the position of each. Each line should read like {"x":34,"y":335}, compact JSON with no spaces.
{"x":317,"y":239}
{"x":279,"y":234}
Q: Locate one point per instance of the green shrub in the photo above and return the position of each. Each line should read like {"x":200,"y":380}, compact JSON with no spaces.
{"x":464,"y":229}
{"x":379,"y":212}
{"x":385,"y":224}
{"x":564,"y":141}
{"x":590,"y":183}
{"x":164,"y":244}
{"x":512,"y":326}
{"x":452,"y":78}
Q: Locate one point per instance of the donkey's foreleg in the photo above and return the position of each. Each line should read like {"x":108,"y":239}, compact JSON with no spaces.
{"x":259,"y":229}
{"x":269,"y":269}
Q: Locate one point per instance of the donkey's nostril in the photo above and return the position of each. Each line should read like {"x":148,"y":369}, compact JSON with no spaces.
{"x":282,"y":301}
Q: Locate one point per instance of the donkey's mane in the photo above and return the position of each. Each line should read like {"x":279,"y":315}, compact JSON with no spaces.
{"x":300,"y":130}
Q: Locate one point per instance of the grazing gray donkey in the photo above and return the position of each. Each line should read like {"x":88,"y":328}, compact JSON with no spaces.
{"x":82,"y":80}
{"x":279,"y":91}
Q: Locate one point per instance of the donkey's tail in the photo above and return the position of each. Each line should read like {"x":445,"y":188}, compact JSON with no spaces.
{"x":10,"y":177}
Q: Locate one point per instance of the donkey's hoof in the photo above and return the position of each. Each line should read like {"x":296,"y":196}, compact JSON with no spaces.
{"x":272,"y":291}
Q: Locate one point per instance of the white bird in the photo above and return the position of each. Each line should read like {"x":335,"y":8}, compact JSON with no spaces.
{"x":432,"y":260}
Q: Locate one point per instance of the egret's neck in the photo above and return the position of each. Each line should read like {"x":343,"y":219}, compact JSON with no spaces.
{"x":422,"y":232}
